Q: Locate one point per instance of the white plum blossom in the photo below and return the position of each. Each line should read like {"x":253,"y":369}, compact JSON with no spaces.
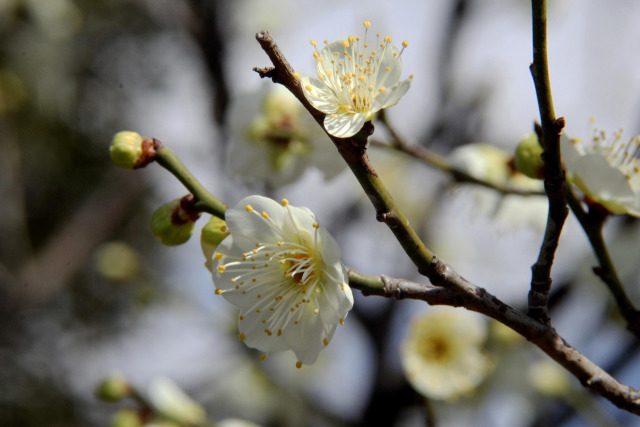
{"x":442,"y":355}
{"x":606,"y":170}
{"x":355,"y":80}
{"x":275,"y":140}
{"x":283,"y":271}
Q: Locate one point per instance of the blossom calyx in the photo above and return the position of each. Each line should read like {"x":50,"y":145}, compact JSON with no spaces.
{"x":173,"y":222}
{"x":131,"y":151}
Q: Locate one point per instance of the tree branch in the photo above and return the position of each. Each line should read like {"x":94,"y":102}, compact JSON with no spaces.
{"x":554,"y":179}
{"x":448,"y":286}
{"x":479,"y":300}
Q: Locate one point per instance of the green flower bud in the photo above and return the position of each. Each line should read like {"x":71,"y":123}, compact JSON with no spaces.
{"x":172,"y":223}
{"x":528,"y":157}
{"x":126,"y":149}
{"x":126,"y":418}
{"x":170,"y":402}
{"x":113,"y":389}
{"x":212,"y":234}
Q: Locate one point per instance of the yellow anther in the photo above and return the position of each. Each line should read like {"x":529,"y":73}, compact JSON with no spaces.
{"x":351,"y":39}
{"x":242,"y":336}
{"x":405,"y":43}
{"x":345,"y":43}
{"x":316,"y":311}
{"x":298,"y":364}
{"x":411,"y":76}
{"x":382,"y":88}
{"x":263,"y":356}
{"x":381,"y":44}
{"x":316,"y":225}
{"x":313,"y":43}
{"x":241,"y":317}
{"x":296,"y":75}
{"x":362,"y":78}
{"x":342,"y":321}
{"x":325,"y":342}
{"x":264,"y":215}
{"x":218,"y":255}
{"x":316,"y":55}
{"x":366,"y":24}
{"x":221,"y":268}
{"x":279,"y":332}
{"x":218,"y":291}
{"x":249,"y":208}
{"x":268,"y":332}
{"x":284,"y":202}
{"x":255,"y":251}
{"x":326,"y":42}
{"x":308,"y":87}
{"x":388,"y":68}
{"x":280,"y":243}
{"x":387,"y":39}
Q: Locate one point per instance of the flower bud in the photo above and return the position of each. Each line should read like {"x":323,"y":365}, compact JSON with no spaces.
{"x":131,"y":151}
{"x":528,"y":157}
{"x":126,"y":149}
{"x":126,"y":418}
{"x":213,"y":233}
{"x":113,"y":389}
{"x":172,"y":223}
{"x":171,"y":402}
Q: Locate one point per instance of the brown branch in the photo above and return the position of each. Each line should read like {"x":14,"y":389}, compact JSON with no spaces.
{"x":449,"y":288}
{"x":554,"y":180}
{"x":481,"y":301}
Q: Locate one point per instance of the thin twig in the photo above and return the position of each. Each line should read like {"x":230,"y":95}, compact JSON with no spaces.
{"x":441,"y":162}
{"x":606,"y":271}
{"x":554,"y":180}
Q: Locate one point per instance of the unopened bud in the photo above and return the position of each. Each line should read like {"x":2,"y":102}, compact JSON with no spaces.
{"x":213,"y":233}
{"x":171,"y":402}
{"x":126,"y":418}
{"x":173,"y":222}
{"x":131,"y":151}
{"x":113,"y":389}
{"x":528,"y":157}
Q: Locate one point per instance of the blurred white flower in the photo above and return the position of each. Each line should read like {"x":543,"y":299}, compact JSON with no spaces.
{"x":442,"y":355}
{"x":494,"y":165}
{"x":606,"y":170}
{"x":283,"y":271}
{"x":171,"y":402}
{"x":548,"y":378}
{"x":355,"y":80}
{"x":274,"y":139}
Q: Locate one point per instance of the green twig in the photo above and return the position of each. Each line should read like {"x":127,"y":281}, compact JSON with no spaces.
{"x":204,"y":201}
{"x":554,"y":180}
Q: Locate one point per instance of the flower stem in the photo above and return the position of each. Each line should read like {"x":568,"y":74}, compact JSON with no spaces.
{"x":204,"y":201}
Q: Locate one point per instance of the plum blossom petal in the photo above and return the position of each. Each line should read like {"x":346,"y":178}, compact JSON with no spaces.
{"x":356,"y":79}
{"x":283,"y":271}
{"x":606,"y":170}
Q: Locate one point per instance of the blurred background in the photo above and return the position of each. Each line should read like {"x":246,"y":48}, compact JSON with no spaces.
{"x":86,"y":291}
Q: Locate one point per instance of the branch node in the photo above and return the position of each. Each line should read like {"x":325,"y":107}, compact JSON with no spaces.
{"x":382,"y":216}
{"x":266,"y":72}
